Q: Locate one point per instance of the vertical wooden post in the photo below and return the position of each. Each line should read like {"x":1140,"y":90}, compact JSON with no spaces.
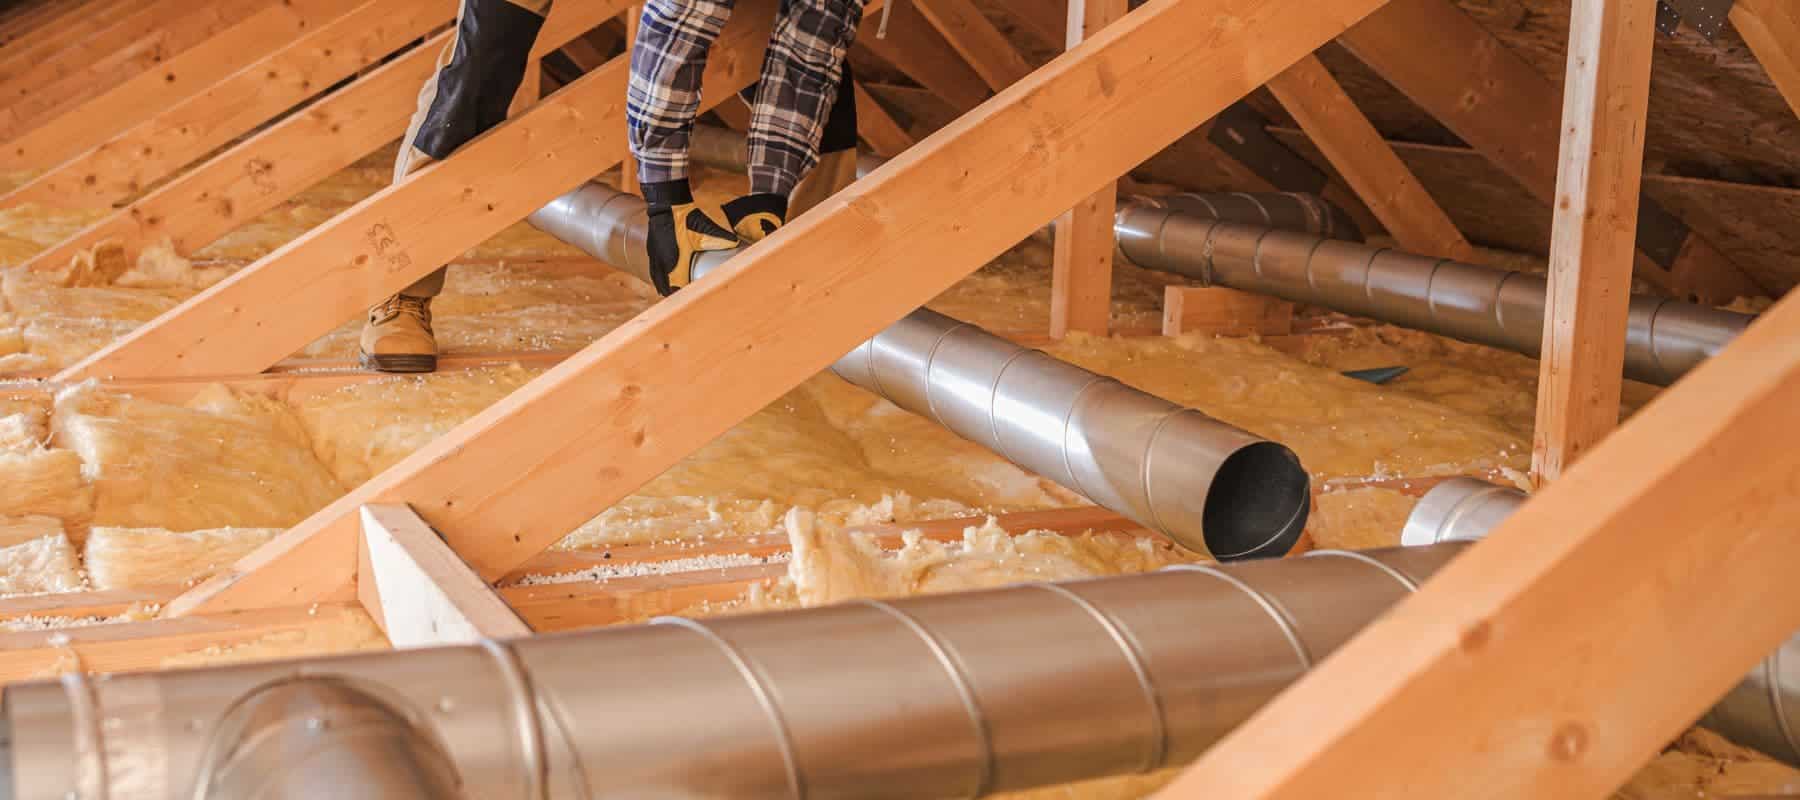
{"x":1081,"y":270}
{"x":628,"y":169}
{"x":1605,"y":96}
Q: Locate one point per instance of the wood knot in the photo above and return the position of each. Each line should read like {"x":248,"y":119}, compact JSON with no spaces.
{"x":1569,"y":742}
{"x":1475,"y":637}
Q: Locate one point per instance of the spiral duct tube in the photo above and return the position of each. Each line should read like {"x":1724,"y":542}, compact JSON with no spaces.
{"x":1212,"y":487}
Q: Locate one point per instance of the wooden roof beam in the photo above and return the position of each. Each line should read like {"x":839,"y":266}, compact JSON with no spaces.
{"x":63,"y":32}
{"x":1372,"y":168}
{"x":503,"y":485}
{"x":1082,"y":242}
{"x":1497,"y":102}
{"x":418,"y":591}
{"x":147,"y":645}
{"x":1606,"y":96}
{"x":138,"y":41}
{"x":918,"y":50}
{"x":1562,"y":653}
{"x":266,"y":89}
{"x":877,"y":127}
{"x":416,"y":225}
{"x":197,"y":207}
{"x":981,"y":45}
{"x":1772,"y":29}
{"x":149,"y":93}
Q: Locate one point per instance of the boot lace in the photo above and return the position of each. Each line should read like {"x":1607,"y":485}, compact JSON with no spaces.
{"x":418,"y":307}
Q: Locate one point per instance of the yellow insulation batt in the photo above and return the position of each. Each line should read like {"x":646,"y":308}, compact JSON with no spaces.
{"x":363,"y":428}
{"x":35,"y":557}
{"x":1359,"y":519}
{"x":1340,"y":427}
{"x":831,"y":566}
{"x":40,"y":480}
{"x":224,"y":460}
{"x":137,"y":558}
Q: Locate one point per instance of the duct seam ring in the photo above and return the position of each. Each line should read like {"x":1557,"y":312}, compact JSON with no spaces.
{"x":1134,"y":656}
{"x":1150,"y":505}
{"x":90,"y":752}
{"x":783,"y":739}
{"x":1410,"y":584}
{"x":930,"y":358}
{"x":993,"y":399}
{"x":521,"y":699}
{"x":1289,"y":629}
{"x":1369,"y":265}
{"x":1075,"y":403}
{"x":964,"y":691}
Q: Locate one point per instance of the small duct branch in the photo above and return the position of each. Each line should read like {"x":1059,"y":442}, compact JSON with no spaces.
{"x":1210,"y":486}
{"x":958,"y":695}
{"x":1762,"y":711}
{"x":1294,"y":247}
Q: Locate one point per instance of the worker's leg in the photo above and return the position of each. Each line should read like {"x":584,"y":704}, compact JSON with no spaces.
{"x":478,"y":74}
{"x":799,"y":83}
{"x":837,"y":153}
{"x":667,"y":60}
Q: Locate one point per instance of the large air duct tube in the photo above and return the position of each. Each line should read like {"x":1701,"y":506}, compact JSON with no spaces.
{"x":1290,"y":246}
{"x":1210,"y":486}
{"x":1762,"y":711}
{"x":1664,"y":339}
{"x":943,"y":696}
{"x":959,"y":695}
{"x":301,"y":738}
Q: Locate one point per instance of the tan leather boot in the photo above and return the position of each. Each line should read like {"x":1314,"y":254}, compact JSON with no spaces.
{"x":398,"y":337}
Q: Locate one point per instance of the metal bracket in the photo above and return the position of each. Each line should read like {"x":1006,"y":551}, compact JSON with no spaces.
{"x":1706,"y":17}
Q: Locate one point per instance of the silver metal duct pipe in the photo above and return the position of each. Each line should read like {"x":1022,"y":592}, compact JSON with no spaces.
{"x":316,"y":737}
{"x":1459,"y":510}
{"x":1212,"y":487}
{"x":959,"y":695}
{"x":1762,"y":711}
{"x":941,"y":696}
{"x":1665,"y":338}
{"x":1289,"y":246}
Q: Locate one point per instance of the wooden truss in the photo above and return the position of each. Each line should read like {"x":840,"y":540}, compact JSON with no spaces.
{"x":1612,"y":571}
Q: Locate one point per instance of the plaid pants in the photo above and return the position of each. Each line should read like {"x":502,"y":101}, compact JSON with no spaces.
{"x":799,"y":82}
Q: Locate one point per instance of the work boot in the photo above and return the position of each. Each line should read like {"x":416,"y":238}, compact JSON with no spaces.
{"x":679,"y":233}
{"x":398,"y":338}
{"x":754,"y":216}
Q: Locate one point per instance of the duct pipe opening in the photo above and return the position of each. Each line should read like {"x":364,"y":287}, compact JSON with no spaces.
{"x":313,"y":737}
{"x":1257,"y":504}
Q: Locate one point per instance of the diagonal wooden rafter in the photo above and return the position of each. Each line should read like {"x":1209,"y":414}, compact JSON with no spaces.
{"x":195,"y":208}
{"x":1500,"y":104}
{"x":917,"y":49}
{"x":877,"y":126}
{"x":1355,"y":148}
{"x":284,"y":78}
{"x":61,"y":33}
{"x":1619,"y":576}
{"x":1772,"y":29}
{"x":982,"y":45}
{"x":148,"y":93}
{"x":413,"y":226}
{"x":139,"y":40}
{"x":513,"y":479}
